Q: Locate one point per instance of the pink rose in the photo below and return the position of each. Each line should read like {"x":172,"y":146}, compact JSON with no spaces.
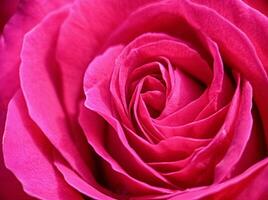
{"x":142,"y":99}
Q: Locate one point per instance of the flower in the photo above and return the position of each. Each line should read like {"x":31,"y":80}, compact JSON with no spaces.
{"x":134,"y":99}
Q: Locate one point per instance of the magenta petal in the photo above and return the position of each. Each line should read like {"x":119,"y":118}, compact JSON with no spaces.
{"x":15,"y":23}
{"x":184,"y":91}
{"x":143,"y":118}
{"x":99,"y":105}
{"x":24,"y":19}
{"x":91,"y":23}
{"x":168,"y":167}
{"x":96,"y":131}
{"x":187,"y":59}
{"x":28,"y":155}
{"x":204,"y":128}
{"x":242,"y":55}
{"x":42,"y":98}
{"x":203,"y":160}
{"x":208,"y":102}
{"x":260,"y":5}
{"x":241,"y":134}
{"x":241,"y":187}
{"x":257,"y":32}
{"x":82,"y":186}
{"x":170,"y":149}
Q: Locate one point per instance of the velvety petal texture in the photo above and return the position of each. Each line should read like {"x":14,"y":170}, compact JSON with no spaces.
{"x":133,"y":99}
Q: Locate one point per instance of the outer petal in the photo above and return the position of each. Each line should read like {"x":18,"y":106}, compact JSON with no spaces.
{"x":248,"y":20}
{"x":21,"y":16}
{"x":28,"y":14}
{"x":27,"y":154}
{"x":42,"y":98}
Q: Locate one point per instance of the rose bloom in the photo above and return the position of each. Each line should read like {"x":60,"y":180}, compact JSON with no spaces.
{"x":134,"y":99}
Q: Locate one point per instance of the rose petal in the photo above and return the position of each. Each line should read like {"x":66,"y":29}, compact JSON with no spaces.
{"x":241,"y":187}
{"x":94,"y":127}
{"x":127,"y":62}
{"x":241,"y":55}
{"x":242,"y":16}
{"x":21,"y":21}
{"x":241,"y":135}
{"x":203,"y":161}
{"x":255,"y":147}
{"x":204,"y":128}
{"x":143,"y":118}
{"x":178,"y":53}
{"x":168,"y":167}
{"x":213,"y":97}
{"x":184,"y":90}
{"x":81,"y":185}
{"x":27,"y":154}
{"x":98,"y":99}
{"x":168,"y":150}
{"x":154,"y":107}
{"x":42,"y":99}
{"x":91,"y":23}
{"x":261,"y":5}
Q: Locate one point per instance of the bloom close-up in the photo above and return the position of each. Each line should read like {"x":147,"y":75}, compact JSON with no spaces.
{"x":134,"y":99}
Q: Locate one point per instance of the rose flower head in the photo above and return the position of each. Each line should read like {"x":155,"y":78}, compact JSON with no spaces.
{"x":134,"y":99}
